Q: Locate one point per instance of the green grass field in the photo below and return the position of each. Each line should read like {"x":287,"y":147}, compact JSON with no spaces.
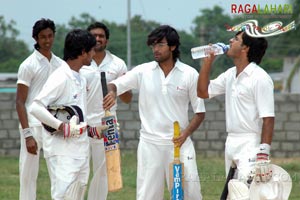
{"x":211,"y":176}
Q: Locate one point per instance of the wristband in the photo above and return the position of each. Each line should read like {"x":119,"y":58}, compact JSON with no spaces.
{"x":93,"y":133}
{"x":27,"y":132}
{"x":264,"y":149}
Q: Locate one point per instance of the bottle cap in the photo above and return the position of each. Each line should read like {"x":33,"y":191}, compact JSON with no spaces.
{"x":225,"y":47}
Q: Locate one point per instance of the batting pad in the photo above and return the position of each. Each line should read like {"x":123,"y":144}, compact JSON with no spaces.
{"x":278,"y":188}
{"x":75,"y":191}
{"x":237,"y":190}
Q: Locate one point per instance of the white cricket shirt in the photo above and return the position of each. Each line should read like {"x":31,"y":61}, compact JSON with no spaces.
{"x":113,"y":67}
{"x":63,"y":88}
{"x":248,"y":98}
{"x":162,"y":100}
{"x":33,"y":72}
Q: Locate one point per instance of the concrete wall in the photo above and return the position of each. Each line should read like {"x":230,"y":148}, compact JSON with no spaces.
{"x":208,"y":139}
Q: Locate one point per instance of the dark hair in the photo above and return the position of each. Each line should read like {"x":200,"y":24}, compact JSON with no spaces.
{"x":257,"y":47}
{"x":99,"y":25}
{"x":170,"y":34}
{"x":76,"y":42}
{"x":39,"y":26}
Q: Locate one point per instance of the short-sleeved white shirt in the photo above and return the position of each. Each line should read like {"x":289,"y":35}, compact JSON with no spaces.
{"x":62,"y":88}
{"x":33,"y":72}
{"x":162,"y":100}
{"x":248,"y":98}
{"x":113,"y":67}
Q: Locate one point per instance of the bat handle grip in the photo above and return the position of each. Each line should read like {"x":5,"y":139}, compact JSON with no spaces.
{"x":107,"y":113}
{"x":176,"y":135}
{"x":104,"y":84}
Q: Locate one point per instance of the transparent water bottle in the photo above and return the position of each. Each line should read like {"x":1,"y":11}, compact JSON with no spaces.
{"x":204,"y":51}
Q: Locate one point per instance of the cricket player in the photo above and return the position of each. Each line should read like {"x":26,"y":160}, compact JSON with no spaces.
{"x":249,"y":101}
{"x":114,"y":67}
{"x":67,"y":149}
{"x":32,"y":75}
{"x":166,"y":87}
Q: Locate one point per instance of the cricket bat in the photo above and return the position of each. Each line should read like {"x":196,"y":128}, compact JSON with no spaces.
{"x":176,"y":170}
{"x":229,"y":177}
{"x":111,"y":144}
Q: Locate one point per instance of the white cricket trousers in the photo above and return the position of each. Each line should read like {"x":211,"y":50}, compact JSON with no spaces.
{"x":99,"y":188}
{"x":64,"y":171}
{"x":153,"y":170}
{"x":29,"y":165}
{"x":241,"y":148}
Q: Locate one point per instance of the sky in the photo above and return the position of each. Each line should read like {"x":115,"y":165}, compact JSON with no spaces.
{"x":177,"y":13}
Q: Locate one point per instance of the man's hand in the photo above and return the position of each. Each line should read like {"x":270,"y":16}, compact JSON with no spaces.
{"x":31,"y":144}
{"x":96,"y":132}
{"x":210,"y":58}
{"x":263,"y":171}
{"x":73,"y":128}
{"x":109,"y":100}
{"x":181,"y":139}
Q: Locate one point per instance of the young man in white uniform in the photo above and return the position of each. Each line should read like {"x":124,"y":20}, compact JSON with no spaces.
{"x":32,"y":75}
{"x":249,"y":102}
{"x":166,"y":87}
{"x":113,"y":67}
{"x":67,"y":150}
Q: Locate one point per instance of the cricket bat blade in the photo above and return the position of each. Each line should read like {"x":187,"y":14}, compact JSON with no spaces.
{"x":176,"y":170}
{"x":111,"y":144}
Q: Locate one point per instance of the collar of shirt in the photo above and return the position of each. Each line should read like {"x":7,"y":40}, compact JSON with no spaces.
{"x":177,"y":65}
{"x":68,"y":71}
{"x":40,"y":57}
{"x":108,"y":57}
{"x":250,"y":68}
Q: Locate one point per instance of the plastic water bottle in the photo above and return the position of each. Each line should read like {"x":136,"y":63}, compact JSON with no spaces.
{"x":204,"y":51}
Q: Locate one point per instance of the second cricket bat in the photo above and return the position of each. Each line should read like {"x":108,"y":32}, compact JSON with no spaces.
{"x":229,"y":177}
{"x":111,"y":143}
{"x":176,"y":170}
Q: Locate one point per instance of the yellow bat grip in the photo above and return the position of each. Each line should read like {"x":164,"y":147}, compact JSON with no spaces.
{"x":176,"y":134}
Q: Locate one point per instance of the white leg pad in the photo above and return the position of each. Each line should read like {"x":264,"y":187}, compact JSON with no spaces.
{"x":237,"y":190}
{"x":75,"y":191}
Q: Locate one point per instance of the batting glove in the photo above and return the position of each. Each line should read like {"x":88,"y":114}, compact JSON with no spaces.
{"x":27,"y":132}
{"x":263,"y":171}
{"x":96,"y":132}
{"x":74,"y":128}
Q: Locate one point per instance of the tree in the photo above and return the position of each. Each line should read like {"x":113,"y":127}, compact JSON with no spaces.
{"x":140,"y":30}
{"x":12,"y":50}
{"x":294,"y":40}
{"x":61,"y":31}
{"x":59,"y":40}
{"x":210,"y":27}
{"x":188,"y":41}
{"x":118,"y":36}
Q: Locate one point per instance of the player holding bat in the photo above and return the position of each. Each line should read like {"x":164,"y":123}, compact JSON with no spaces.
{"x":111,"y":144}
{"x":249,"y":107}
{"x":67,"y":149}
{"x":176,"y":172}
{"x":166,"y":87}
{"x":114,"y":67}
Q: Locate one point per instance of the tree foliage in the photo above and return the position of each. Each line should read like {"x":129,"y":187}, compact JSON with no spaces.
{"x":209,"y":27}
{"x":12,"y":50}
